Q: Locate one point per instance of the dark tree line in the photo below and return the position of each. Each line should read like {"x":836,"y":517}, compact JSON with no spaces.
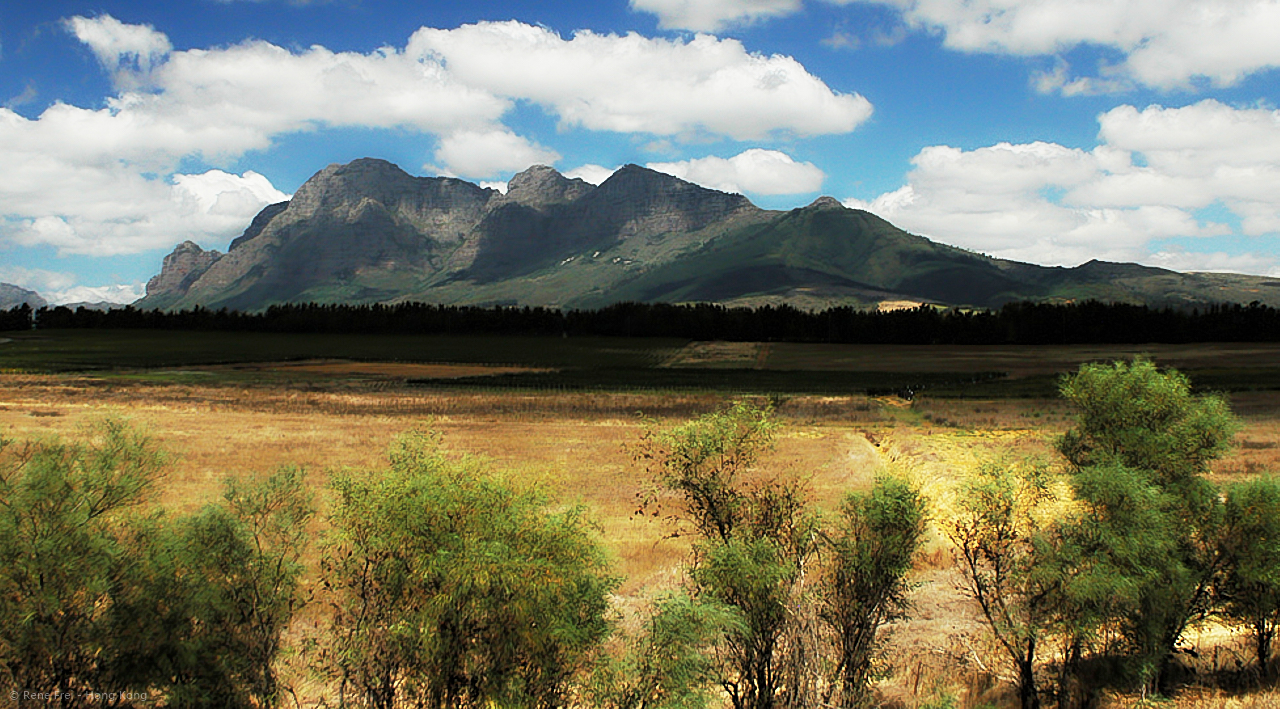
{"x":19,"y":318}
{"x":1023,"y":323}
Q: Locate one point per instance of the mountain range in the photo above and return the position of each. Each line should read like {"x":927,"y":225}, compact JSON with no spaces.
{"x":367,"y":232}
{"x":12,"y":296}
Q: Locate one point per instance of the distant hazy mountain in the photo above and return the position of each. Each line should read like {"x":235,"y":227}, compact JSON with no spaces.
{"x":368,"y":232}
{"x":102,"y":305}
{"x":12,"y":296}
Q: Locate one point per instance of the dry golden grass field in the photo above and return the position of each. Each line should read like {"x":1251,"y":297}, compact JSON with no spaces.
{"x":344,"y":415}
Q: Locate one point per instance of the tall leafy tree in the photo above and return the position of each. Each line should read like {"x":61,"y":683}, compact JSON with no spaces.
{"x":1147,"y":546}
{"x":1115,"y":557}
{"x":670,"y":663}
{"x":95,"y":594}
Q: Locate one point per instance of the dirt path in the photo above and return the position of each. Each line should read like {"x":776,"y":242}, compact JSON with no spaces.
{"x":762,"y":357}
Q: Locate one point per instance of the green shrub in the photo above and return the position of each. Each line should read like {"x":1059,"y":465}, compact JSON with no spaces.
{"x":452,"y":588}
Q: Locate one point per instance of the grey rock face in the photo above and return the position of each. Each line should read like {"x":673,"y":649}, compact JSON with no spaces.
{"x":443,"y":206}
{"x":635,"y":205}
{"x":825,"y":202}
{"x":346,"y":222}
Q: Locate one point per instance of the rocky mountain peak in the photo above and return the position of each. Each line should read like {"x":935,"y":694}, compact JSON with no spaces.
{"x":343,"y":192}
{"x":652,"y":202}
{"x":632,"y":174}
{"x":541,"y":186}
{"x":1112,"y":270}
{"x":257,"y":225}
{"x":12,"y":296}
{"x":182,"y":267}
{"x":825,"y":202}
{"x":369,"y":232}
{"x":335,"y":186}
{"x":644,"y":185}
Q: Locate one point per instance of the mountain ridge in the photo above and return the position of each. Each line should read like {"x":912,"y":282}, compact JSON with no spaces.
{"x":12,"y":296}
{"x":367,"y":232}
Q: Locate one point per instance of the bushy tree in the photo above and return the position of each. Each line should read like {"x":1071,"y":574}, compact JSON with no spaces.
{"x":1249,"y":591}
{"x":809,"y":626}
{"x":452,"y":588}
{"x":95,"y":594}
{"x":703,"y":461}
{"x":1135,"y":415}
{"x":274,"y":514}
{"x":63,"y":509}
{"x":879,"y":533}
{"x":1146,"y":547}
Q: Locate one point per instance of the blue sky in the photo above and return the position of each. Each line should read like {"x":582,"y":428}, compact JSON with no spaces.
{"x":1050,"y":131}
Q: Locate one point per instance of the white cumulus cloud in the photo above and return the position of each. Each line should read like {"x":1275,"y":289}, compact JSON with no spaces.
{"x":713,"y":15}
{"x":1182,"y":260}
{"x":595,"y":174}
{"x":634,"y":84}
{"x":1165,"y":43}
{"x":1152,"y":171}
{"x":229,"y":100}
{"x":114,"y":43}
{"x":61,"y":189}
{"x":219,"y":193}
{"x":110,"y":209}
{"x":766,"y":172}
{"x":106,"y":180}
{"x":488,"y":153}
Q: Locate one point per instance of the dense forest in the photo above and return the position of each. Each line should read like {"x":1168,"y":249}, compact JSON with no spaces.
{"x":1025,"y":323}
